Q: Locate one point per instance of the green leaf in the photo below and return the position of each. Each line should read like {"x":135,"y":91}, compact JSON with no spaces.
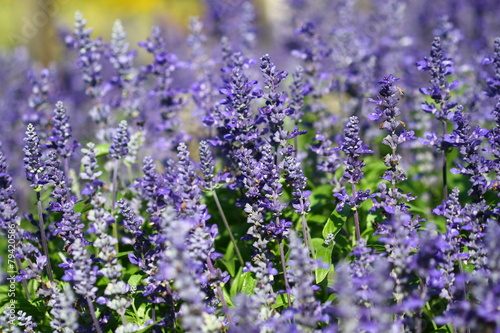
{"x":249,"y":283}
{"x":320,"y":193}
{"x":324,"y":253}
{"x":134,"y":280}
{"x":230,"y":265}
{"x":335,"y":223}
{"x":82,"y":207}
{"x":229,"y":259}
{"x":243,"y":282}
{"x":102,"y":149}
{"x":227,"y":297}
{"x":444,"y":329}
{"x":281,"y":300}
{"x":148,"y":328}
{"x":121,"y":254}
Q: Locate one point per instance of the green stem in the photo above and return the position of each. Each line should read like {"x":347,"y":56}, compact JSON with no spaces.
{"x":444,"y":166}
{"x":92,"y":314}
{"x":24,"y":283}
{"x":226,"y":224}
{"x":225,"y":308}
{"x":356,"y":215}
{"x":66,"y":177}
{"x":41,"y":225}
{"x":113,"y":203}
{"x":283,"y":264}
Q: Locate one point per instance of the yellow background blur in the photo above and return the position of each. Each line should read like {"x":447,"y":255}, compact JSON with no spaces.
{"x":33,"y":22}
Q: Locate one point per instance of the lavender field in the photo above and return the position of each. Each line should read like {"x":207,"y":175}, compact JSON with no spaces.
{"x":328,"y":166}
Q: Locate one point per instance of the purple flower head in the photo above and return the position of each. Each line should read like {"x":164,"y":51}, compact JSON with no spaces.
{"x":90,"y":170}
{"x":81,"y":270}
{"x":89,"y":55}
{"x":162,"y":68}
{"x":432,"y":254}
{"x":121,"y":138}
{"x":272,"y":76}
{"x":34,"y":165}
{"x":439,"y":68}
{"x":388,"y":112}
{"x":39,"y":90}
{"x":468,"y":140}
{"x":65,"y":316}
{"x":61,"y":133}
{"x":38,"y":100}
{"x":70,"y":227}
{"x":493,"y":82}
{"x":120,"y":56}
{"x":353,"y":147}
{"x":207,"y":166}
{"x":9,"y":220}
{"x":188,"y":191}
{"x":387,"y":101}
{"x":131,"y":221}
{"x":298,"y":91}
{"x":309,"y":310}
{"x":294,"y":176}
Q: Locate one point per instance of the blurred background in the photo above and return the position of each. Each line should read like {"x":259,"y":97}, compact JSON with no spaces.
{"x":38,"y":24}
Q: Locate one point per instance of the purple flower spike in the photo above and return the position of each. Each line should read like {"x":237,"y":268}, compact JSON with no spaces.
{"x":33,"y":162}
{"x":61,"y":133}
{"x":121,"y":138}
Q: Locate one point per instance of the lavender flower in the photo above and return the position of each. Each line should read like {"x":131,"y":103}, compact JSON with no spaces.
{"x":120,"y":56}
{"x":150,"y":185}
{"x":481,"y":314}
{"x":468,"y":140}
{"x":89,"y":58}
{"x":204,"y":89}
{"x":38,"y":100}
{"x":188,"y":191}
{"x":121,"y":138}
{"x":388,"y":111}
{"x":494,"y":141}
{"x":10,"y":223}
{"x":8,"y":206}
{"x":439,"y":67}
{"x":364,"y":292}
{"x":330,"y":160}
{"x":168,"y":98}
{"x":81,"y":271}
{"x":90,"y":170}
{"x":275,"y":110}
{"x":309,"y":311}
{"x":36,"y":173}
{"x":17,"y":322}
{"x":238,"y":126}
{"x":493,"y":82}
{"x":262,"y":264}
{"x":207,"y":166}
{"x":65,"y":315}
{"x":298,"y":91}
{"x":131,"y":221}
{"x":34,"y":165}
{"x":61,"y":133}
{"x":353,"y":147}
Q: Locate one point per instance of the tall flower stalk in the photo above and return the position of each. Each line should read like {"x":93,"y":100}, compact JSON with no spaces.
{"x":353,"y":147}
{"x":439,"y":68}
{"x":118,"y":150}
{"x":388,"y":111}
{"x":35,"y":169}
{"x":210,"y":182}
